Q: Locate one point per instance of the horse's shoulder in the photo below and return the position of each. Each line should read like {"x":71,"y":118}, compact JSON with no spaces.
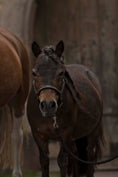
{"x":80,"y":69}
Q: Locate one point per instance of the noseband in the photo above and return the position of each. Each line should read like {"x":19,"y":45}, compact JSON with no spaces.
{"x":59,"y":92}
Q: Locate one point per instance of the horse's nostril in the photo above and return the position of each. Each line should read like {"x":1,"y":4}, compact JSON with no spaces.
{"x":48,"y":108}
{"x":52,"y":104}
{"x":43,"y":105}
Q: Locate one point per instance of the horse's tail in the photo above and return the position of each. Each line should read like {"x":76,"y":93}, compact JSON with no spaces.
{"x":5,"y":137}
{"x":82,"y":153}
{"x":89,"y":149}
{"x":26,"y":126}
{"x":6,"y":149}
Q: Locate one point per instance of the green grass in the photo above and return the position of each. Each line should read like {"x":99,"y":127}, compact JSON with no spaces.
{"x":28,"y":174}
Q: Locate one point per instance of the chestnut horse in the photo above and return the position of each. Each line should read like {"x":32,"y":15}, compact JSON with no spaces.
{"x":14,"y":88}
{"x":71,"y":94}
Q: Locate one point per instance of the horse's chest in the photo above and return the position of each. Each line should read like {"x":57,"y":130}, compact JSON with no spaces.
{"x":45,"y":129}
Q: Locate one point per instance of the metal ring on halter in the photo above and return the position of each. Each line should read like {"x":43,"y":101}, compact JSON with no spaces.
{"x":55,"y":125}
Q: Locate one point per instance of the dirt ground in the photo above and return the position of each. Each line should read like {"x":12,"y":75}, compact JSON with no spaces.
{"x":56,"y":174}
{"x":106,"y":174}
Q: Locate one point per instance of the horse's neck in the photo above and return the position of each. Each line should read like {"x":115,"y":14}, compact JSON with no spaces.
{"x":67,"y":100}
{"x":65,"y":114}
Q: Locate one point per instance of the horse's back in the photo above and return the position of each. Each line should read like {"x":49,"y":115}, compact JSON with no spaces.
{"x":14,"y":66}
{"x":84,"y":73}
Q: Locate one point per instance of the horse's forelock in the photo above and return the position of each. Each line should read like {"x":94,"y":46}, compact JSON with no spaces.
{"x":49,"y":50}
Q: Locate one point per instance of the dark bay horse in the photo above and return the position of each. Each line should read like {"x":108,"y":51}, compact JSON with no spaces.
{"x":72,"y":95}
{"x":14,"y":88}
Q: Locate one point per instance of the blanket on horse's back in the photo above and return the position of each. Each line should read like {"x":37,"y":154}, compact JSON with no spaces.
{"x":86,"y":92}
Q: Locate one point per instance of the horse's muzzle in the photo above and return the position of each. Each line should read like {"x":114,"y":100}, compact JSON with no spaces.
{"x":48,"y":109}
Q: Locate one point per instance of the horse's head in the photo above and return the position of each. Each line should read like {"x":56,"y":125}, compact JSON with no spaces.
{"x":48,"y":77}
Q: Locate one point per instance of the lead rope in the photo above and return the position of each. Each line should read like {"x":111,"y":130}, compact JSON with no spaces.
{"x":56,"y":127}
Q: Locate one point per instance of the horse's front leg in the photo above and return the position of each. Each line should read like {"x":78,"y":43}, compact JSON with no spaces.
{"x":17,"y":141}
{"x":43,"y":153}
{"x":44,"y":160}
{"x":63,"y":161}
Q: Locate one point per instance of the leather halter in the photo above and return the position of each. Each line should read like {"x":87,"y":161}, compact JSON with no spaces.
{"x":37,"y":92}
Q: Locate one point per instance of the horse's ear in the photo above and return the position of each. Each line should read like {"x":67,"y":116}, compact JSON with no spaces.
{"x":36,"y":49}
{"x":59,"y":48}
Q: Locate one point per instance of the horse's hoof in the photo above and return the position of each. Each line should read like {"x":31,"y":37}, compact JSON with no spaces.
{"x":17,"y":174}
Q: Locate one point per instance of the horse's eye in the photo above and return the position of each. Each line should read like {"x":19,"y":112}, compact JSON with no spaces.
{"x":34,"y":73}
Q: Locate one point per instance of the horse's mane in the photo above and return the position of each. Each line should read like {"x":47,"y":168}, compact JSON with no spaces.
{"x":48,"y":50}
{"x":78,"y":97}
